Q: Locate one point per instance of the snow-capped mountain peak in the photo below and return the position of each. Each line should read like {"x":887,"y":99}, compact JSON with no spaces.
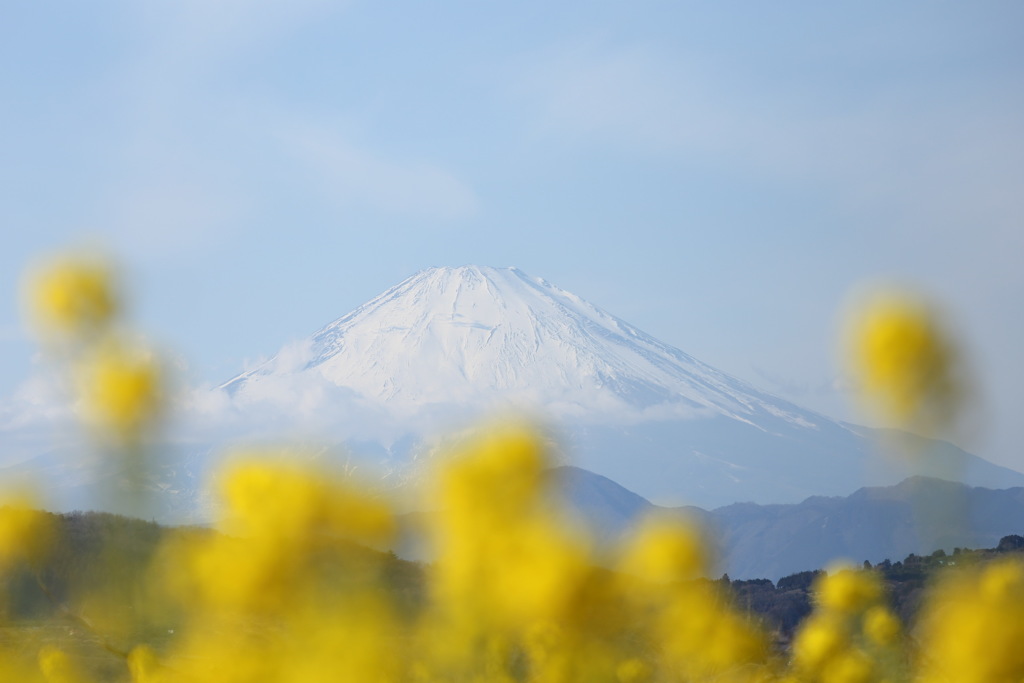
{"x":479,"y":335}
{"x":410,"y":372}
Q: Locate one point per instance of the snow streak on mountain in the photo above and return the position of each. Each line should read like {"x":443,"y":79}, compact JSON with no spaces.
{"x":471,"y":334}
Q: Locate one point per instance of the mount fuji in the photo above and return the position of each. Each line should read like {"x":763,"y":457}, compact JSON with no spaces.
{"x":451,"y":345}
{"x":462,"y":336}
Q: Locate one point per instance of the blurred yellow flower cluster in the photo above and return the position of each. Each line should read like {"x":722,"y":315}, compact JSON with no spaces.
{"x":23,"y":532}
{"x":72,"y":296}
{"x":75,"y":307}
{"x":905,"y":361}
{"x":852,"y":637}
{"x":289,"y":588}
{"x":279,"y":521}
{"x":973,"y":625}
{"x":286,"y":589}
{"x":280,"y":592}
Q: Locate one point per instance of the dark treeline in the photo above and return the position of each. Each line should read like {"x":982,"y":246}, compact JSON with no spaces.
{"x":783,"y":605}
{"x":109,"y":557}
{"x":84,"y":554}
{"x":97,"y":558}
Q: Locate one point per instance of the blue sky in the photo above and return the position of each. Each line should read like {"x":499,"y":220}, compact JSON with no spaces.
{"x":720,"y":175}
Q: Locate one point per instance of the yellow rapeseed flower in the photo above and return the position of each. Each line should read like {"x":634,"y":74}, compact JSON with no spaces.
{"x":904,"y":360}
{"x":274,"y":498}
{"x":499,"y":473}
{"x":24,"y":531}
{"x":820,"y":638}
{"x":971,"y":628}
{"x":1003,"y":582}
{"x":881,"y":627}
{"x":503,"y":553}
{"x":633,"y":671}
{"x":144,"y":665}
{"x":850,"y":666}
{"x":121,"y":390}
{"x":665,"y":549}
{"x":703,"y":636}
{"x":536,"y":572}
{"x":848,"y":590}
{"x":222,"y":572}
{"x":57,"y":667}
{"x":279,"y":516}
{"x":71,"y":296}
{"x":14,"y":667}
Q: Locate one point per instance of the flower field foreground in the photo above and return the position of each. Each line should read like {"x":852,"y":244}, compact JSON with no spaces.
{"x":287,"y":588}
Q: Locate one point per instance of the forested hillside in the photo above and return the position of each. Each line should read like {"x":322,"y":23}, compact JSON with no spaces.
{"x":100,"y":558}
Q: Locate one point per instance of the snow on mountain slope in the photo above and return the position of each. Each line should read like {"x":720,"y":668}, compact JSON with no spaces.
{"x":471,"y":334}
{"x":399,"y":379}
{"x":469,"y":342}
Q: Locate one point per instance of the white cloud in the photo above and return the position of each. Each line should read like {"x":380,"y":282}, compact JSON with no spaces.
{"x":293,"y":356}
{"x":284,"y":403}
{"x":40,"y":400}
